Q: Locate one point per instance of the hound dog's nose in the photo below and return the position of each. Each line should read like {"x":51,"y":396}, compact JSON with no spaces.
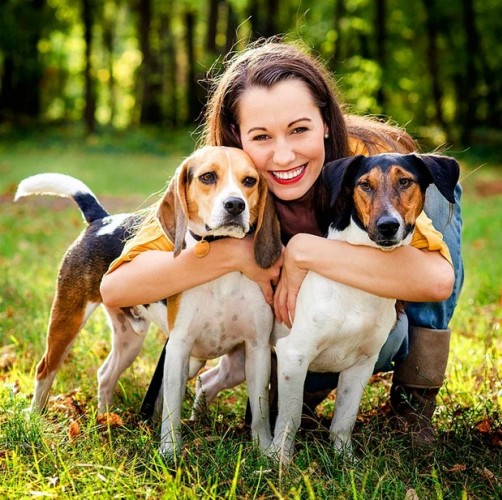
{"x":387,"y":226}
{"x":234,"y":206}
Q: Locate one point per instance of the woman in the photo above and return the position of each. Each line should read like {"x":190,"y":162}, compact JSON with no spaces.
{"x":277,"y":103}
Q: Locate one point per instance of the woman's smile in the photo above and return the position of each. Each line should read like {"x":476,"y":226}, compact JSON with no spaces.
{"x":289,"y":176}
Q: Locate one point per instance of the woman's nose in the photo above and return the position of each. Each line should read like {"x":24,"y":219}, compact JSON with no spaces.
{"x":283,"y":152}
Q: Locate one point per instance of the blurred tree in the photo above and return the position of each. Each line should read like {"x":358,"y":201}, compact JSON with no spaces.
{"x":141,"y":61}
{"x":21,"y":28}
{"x":88,"y":13}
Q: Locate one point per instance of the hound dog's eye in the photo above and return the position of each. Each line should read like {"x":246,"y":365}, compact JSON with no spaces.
{"x":365,"y":186}
{"x":249,"y":181}
{"x":208,"y":178}
{"x":405,"y":183}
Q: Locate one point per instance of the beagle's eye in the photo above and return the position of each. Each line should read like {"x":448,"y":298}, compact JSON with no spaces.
{"x":249,"y":181}
{"x":208,"y":178}
{"x":405,"y":183}
{"x":365,"y":186}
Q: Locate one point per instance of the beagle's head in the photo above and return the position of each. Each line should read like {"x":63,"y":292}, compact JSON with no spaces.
{"x":217,"y":191}
{"x":385,"y":193}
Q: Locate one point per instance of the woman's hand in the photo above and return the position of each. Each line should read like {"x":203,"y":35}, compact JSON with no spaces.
{"x":266,"y":278}
{"x":292,"y":277}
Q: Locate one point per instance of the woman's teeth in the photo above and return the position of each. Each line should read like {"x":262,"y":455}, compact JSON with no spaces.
{"x":290,"y":174}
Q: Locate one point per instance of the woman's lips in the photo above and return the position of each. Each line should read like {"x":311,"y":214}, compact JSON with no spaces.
{"x":289,"y":176}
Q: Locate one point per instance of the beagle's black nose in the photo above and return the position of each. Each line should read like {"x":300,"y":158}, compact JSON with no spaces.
{"x":234,"y":206}
{"x":387,"y":226}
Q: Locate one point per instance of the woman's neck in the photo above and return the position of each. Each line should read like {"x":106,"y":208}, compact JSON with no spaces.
{"x":299,"y":216}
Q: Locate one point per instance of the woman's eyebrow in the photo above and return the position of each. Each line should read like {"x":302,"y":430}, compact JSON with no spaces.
{"x":304,"y":118}
{"x":290,"y":124}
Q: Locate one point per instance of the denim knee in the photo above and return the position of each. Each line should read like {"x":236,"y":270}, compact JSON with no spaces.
{"x":447,"y":219}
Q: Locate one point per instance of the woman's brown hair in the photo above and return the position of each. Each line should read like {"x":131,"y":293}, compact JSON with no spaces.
{"x":263,"y":65}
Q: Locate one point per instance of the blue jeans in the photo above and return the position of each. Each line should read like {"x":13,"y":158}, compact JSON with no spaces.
{"x":433,"y":315}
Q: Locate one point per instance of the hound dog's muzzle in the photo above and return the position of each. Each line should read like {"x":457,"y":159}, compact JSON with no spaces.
{"x":384,"y":194}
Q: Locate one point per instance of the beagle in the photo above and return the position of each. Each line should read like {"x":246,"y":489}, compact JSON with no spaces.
{"x":374,"y":201}
{"x":215,"y":193}
{"x":218,"y":193}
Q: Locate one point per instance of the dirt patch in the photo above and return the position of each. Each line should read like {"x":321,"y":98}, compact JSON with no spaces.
{"x":489,"y":188}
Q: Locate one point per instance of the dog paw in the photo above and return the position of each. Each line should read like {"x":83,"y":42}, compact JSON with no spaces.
{"x":279,"y":455}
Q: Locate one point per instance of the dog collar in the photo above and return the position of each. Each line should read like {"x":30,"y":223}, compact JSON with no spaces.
{"x":209,"y":238}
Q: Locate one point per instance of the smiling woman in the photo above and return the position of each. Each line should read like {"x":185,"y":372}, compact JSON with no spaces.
{"x":278,"y":104}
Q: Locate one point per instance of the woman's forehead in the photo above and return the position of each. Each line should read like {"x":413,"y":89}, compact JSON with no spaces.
{"x":288,"y":100}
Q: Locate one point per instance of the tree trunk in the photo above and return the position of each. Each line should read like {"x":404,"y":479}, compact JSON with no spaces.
{"x":21,"y":78}
{"x":108,"y":42}
{"x":339,"y":13}
{"x":90,"y":96}
{"x":381,"y":40}
{"x":150,"y":80}
{"x":212,"y":26}
{"x":433,"y":62}
{"x":194,"y":107}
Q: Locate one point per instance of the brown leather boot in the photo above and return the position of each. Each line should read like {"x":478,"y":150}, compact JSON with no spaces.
{"x":416,"y":383}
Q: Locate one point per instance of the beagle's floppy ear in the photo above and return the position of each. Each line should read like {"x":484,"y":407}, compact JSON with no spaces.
{"x":173,"y":211}
{"x":267,"y":238}
{"x":444,"y":172}
{"x":337,"y":174}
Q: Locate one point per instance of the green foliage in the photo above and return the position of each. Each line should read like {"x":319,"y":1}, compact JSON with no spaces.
{"x":384,"y":67}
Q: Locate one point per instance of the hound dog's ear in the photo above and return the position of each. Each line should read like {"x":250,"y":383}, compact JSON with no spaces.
{"x":337,"y":175}
{"x":267,"y":238}
{"x":173,"y":211}
{"x":444,"y":172}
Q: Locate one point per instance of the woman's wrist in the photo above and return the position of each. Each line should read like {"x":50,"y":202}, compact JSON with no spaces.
{"x":299,"y":250}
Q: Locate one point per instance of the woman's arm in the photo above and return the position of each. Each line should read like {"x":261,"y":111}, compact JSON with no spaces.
{"x":154,"y":275}
{"x":405,"y":273}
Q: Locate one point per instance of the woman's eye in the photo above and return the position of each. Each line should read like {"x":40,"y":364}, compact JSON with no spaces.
{"x":404,"y":183}
{"x":300,"y":130}
{"x":208,"y":178}
{"x":249,"y":182}
{"x":261,"y":137}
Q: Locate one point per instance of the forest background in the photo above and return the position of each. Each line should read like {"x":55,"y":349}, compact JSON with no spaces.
{"x":433,"y":66}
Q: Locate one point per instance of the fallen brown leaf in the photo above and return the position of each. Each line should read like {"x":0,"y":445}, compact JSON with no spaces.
{"x":486,"y":474}
{"x":457,"y":468}
{"x":73,"y":431}
{"x":484,"y":426}
{"x":110,"y":420}
{"x":411,"y":494}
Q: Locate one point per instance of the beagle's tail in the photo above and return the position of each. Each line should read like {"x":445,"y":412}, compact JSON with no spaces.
{"x":67,"y":187}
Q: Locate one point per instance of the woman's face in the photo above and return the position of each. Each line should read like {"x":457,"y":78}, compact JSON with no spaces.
{"x":282,"y":130}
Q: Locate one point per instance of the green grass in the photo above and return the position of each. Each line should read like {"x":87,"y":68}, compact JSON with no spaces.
{"x":39,"y":458}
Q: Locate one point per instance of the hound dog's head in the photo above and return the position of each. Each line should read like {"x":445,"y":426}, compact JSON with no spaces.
{"x":384,"y":194}
{"x":217,"y":192}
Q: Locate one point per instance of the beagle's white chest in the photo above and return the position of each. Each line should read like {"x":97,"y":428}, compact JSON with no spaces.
{"x":217,"y":316}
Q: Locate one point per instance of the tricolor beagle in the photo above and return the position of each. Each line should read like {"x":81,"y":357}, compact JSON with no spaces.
{"x":375,"y":202}
{"x":218,"y":193}
{"x":215,"y":193}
